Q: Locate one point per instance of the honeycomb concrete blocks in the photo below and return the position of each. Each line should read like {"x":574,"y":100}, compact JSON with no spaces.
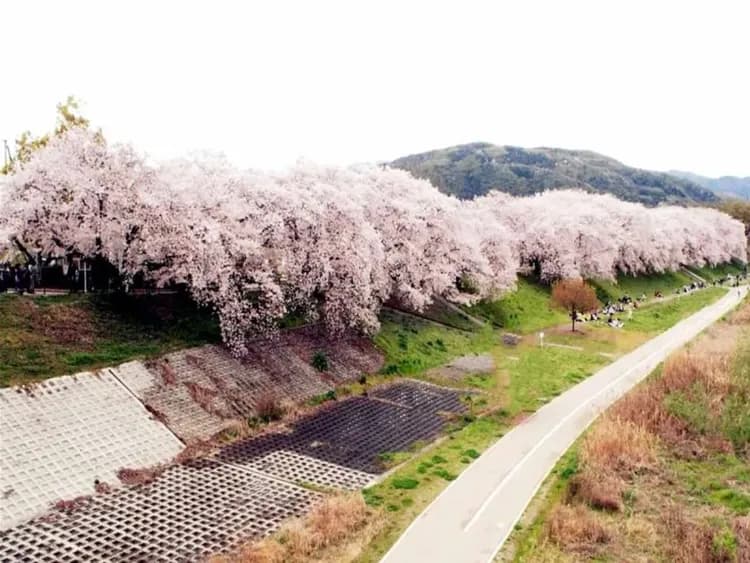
{"x":352,"y":433}
{"x":188,"y":513}
{"x":172,"y":403}
{"x":60,"y":436}
{"x":307,"y":470}
{"x":197,"y":392}
{"x":197,"y":508}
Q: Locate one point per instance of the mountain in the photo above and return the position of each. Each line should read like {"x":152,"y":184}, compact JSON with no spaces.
{"x":471,"y":170}
{"x":727,"y":186}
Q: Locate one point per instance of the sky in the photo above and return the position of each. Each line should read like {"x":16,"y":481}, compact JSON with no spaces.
{"x":658,"y":85}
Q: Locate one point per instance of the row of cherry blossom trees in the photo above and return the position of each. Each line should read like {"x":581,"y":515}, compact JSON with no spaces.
{"x":330,"y":244}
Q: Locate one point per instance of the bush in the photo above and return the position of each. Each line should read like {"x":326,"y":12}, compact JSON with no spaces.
{"x":320,"y":361}
{"x":405,"y":483}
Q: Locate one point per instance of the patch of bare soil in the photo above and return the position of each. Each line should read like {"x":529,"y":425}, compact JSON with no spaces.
{"x":463,"y":366}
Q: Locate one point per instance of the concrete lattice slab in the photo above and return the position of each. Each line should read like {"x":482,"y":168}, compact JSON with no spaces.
{"x":59,"y":436}
{"x":199,"y":391}
{"x":172,"y":403}
{"x":188,"y":513}
{"x":353,"y":432}
{"x":303,"y":469}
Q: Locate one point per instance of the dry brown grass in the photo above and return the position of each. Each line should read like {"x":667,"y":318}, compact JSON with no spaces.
{"x":59,"y":323}
{"x":686,"y":541}
{"x":741,"y":316}
{"x":619,"y":446}
{"x":202,"y":395}
{"x":166,"y":371}
{"x":742,"y":533}
{"x":614,"y":451}
{"x":334,"y":530}
{"x":702,"y":373}
{"x":574,"y":528}
{"x":71,"y":505}
{"x":195,"y":450}
{"x":597,"y":488}
{"x":139,"y":476}
{"x":268,"y":408}
{"x":670,"y":417}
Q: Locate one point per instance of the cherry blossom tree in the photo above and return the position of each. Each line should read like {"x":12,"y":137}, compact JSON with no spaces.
{"x":330,"y":244}
{"x":77,"y":194}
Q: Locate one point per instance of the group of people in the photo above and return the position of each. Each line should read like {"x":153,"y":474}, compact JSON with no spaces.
{"x":20,"y":279}
{"x":732,"y":280}
{"x":687,"y":288}
{"x":611,"y":309}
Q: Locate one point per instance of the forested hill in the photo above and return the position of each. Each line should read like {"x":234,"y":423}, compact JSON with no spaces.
{"x":727,"y":186}
{"x":474,"y":169}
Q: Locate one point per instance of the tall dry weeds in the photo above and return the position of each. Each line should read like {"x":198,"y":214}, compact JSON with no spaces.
{"x":686,"y":541}
{"x":574,"y":528}
{"x":702,"y":378}
{"x":334,"y":521}
{"x":742,"y":534}
{"x":619,"y":446}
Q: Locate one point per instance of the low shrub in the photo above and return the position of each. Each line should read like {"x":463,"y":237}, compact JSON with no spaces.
{"x":405,"y":483}
{"x":320,"y":361}
{"x":575,"y":528}
{"x":599,"y":489}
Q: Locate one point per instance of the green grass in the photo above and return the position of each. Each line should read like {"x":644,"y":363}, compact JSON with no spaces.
{"x":412,"y":345}
{"x":41,"y":337}
{"x":527,"y":538}
{"x":540,"y":374}
{"x":524,"y":310}
{"x":635,"y":286}
{"x":658,"y":317}
{"x":413,"y":486}
{"x":720,"y":271}
{"x":528,"y":308}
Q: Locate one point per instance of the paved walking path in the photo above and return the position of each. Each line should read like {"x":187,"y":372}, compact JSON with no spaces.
{"x":472,"y":518}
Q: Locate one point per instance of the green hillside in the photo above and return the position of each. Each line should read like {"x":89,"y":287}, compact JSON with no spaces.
{"x":467,"y":171}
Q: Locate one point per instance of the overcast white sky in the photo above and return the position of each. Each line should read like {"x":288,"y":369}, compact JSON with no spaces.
{"x":657,"y":85}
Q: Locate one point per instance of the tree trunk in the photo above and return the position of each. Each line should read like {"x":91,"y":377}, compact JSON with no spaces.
{"x":573,"y":320}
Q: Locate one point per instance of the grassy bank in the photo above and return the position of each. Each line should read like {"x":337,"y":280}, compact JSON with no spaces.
{"x":718,"y":272}
{"x":633,"y":286}
{"x":41,"y":337}
{"x":524,"y":310}
{"x":664,"y":475}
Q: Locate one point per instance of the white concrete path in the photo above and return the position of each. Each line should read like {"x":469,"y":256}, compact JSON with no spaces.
{"x":472,"y":518}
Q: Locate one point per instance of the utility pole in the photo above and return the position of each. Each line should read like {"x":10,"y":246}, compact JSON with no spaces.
{"x":7,"y":157}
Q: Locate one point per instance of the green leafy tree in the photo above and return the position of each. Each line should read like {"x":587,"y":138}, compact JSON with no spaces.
{"x":68,"y":116}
